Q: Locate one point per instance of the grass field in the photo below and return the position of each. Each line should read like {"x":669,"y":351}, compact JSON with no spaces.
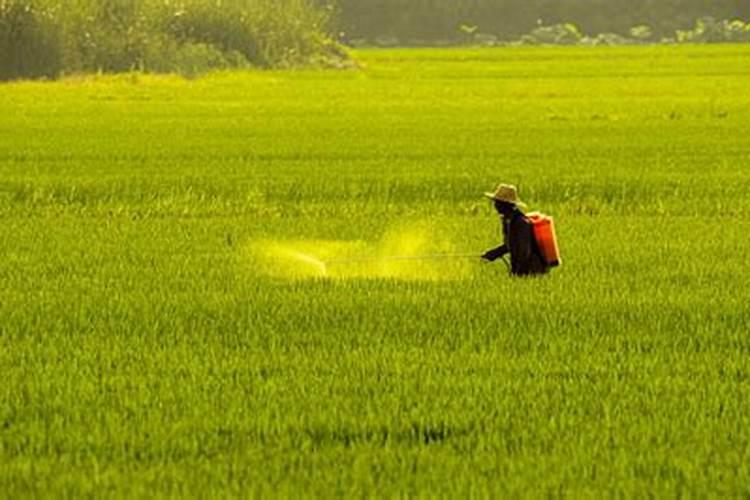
{"x":158,"y":336}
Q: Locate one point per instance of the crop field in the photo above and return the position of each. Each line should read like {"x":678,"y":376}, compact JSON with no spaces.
{"x":196,"y":297}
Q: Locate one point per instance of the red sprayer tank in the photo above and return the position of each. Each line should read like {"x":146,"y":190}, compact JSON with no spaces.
{"x":544,"y":232}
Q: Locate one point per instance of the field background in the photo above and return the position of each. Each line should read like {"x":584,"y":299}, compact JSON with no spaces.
{"x":146,"y":350}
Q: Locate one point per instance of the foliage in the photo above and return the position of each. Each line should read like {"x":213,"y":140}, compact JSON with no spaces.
{"x":190,"y":58}
{"x":558,"y":34}
{"x":30,"y":40}
{"x":706,"y":30}
{"x":151,"y":35}
{"x":430,"y":21}
{"x":709,"y":30}
{"x":641,"y":32}
{"x":145,"y":353}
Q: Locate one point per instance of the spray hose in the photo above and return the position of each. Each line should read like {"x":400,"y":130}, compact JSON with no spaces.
{"x":396,"y":258}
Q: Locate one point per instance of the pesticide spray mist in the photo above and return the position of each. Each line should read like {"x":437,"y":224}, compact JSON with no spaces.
{"x":412,"y":253}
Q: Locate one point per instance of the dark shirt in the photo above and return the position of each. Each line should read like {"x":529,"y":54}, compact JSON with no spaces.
{"x":525,"y":257}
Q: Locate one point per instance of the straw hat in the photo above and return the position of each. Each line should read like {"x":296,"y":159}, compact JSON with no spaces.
{"x":507,"y":193}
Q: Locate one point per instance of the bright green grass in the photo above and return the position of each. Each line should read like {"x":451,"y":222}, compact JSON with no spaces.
{"x":143,"y":353}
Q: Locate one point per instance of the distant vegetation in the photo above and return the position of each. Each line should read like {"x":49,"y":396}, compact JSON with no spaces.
{"x":431,"y":22}
{"x":706,"y":30}
{"x":47,"y":38}
{"x":43,"y":38}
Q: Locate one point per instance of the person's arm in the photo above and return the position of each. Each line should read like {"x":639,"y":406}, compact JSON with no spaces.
{"x":495,"y":253}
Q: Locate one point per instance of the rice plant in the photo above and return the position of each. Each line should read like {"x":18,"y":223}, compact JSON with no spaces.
{"x":197,"y":300}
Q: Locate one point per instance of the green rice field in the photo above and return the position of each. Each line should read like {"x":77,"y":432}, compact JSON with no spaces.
{"x":197,"y":300}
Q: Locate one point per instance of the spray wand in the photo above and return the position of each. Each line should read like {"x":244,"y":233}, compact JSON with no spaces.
{"x":397,"y":258}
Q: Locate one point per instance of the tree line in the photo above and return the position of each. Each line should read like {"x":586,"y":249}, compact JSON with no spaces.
{"x":46,"y":38}
{"x":442,"y":20}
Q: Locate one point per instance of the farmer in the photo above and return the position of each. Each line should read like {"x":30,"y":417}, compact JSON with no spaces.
{"x":518,"y":233}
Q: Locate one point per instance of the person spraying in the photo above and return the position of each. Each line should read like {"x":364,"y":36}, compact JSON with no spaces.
{"x":529,"y":239}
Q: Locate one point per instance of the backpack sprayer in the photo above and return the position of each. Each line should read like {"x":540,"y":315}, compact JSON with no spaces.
{"x":546,"y":239}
